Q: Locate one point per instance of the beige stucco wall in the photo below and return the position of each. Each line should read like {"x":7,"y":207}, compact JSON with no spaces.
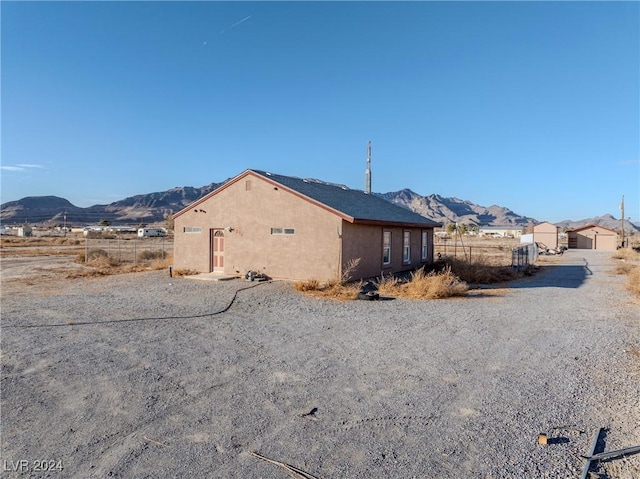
{"x":594,"y":238}
{"x":251,"y":210}
{"x":547,"y":234}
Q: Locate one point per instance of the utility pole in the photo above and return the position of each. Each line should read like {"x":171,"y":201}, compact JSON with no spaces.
{"x":622,"y":209}
{"x":367,"y":177}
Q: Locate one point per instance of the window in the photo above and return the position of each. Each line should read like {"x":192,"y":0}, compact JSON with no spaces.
{"x":282,"y":231}
{"x":406,"y":248}
{"x":386,"y":247}
{"x":192,"y":229}
{"x":424,"y":252}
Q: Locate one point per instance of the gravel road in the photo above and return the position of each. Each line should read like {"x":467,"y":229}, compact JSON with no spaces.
{"x":136,"y":376}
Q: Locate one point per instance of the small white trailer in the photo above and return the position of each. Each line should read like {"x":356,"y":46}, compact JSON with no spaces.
{"x":151,"y":232}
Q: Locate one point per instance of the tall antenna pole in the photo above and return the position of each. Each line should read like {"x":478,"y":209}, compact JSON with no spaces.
{"x":622,"y":208}
{"x":367,"y":177}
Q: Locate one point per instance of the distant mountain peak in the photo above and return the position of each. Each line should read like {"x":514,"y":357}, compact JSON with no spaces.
{"x":455,"y":210}
{"x":155,"y":207}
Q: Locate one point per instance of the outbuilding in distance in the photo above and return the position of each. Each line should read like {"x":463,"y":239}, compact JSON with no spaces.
{"x":547,"y":234}
{"x":299,"y":229}
{"x":593,"y":236}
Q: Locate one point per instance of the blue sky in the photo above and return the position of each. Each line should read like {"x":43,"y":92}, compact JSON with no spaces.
{"x":530,"y":105}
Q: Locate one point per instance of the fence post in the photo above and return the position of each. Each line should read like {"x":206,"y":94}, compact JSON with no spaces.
{"x":135,"y":254}
{"x":86,"y":250}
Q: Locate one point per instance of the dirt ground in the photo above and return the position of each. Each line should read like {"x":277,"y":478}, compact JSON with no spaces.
{"x":142,"y":375}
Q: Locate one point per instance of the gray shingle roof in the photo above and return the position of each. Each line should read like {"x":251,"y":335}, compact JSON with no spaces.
{"x":356,"y":204}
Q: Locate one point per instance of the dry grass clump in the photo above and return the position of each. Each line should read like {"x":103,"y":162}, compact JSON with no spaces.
{"x":421,"y":285}
{"x":183,"y":272}
{"x":444,"y":284}
{"x":331,"y":289}
{"x":340,"y":288}
{"x":627,"y":254}
{"x":96,"y":257}
{"x":306,"y":286}
{"x":624,"y":268}
{"x":152,"y":255}
{"x":425,"y":285}
{"x":444,"y":279}
{"x":633,"y":281}
{"x":629,"y":266}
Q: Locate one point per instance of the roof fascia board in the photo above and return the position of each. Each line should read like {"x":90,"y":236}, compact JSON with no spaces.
{"x":397,"y":224}
{"x":592,"y":225}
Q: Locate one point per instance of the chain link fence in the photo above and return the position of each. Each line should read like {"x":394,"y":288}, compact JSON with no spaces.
{"x":524,"y":256}
{"x":127,"y":251}
{"x":500,"y":253}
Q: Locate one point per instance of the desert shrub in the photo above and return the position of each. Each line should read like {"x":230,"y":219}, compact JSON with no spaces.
{"x":629,"y":265}
{"x":96,"y":253}
{"x":308,"y":285}
{"x":96,"y":257}
{"x":419,"y":285}
{"x":633,"y":281}
{"x":334,"y":289}
{"x":149,"y":255}
{"x":348,"y":270}
{"x":339,"y":288}
{"x":626,"y":254}
{"x":184,"y":272}
{"x":102,"y":262}
{"x":389,"y":285}
{"x":432,"y":285}
{"x":624,"y":268}
{"x":161,"y":263}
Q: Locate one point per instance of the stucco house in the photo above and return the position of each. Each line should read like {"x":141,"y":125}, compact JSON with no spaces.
{"x":293,"y":228}
{"x":547,"y":234}
{"x":593,"y":237}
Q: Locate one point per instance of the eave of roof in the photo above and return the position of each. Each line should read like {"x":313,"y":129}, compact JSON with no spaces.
{"x":591,"y":225}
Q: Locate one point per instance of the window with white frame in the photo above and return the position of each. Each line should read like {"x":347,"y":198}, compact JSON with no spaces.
{"x":192,"y":229}
{"x":386,"y":247}
{"x":424,"y":251}
{"x":406,"y":247}
{"x":282,"y":231}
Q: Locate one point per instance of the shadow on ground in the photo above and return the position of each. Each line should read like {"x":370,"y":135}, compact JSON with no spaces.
{"x":556,"y":276}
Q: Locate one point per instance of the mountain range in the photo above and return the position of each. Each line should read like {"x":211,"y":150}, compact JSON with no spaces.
{"x":156,"y":207}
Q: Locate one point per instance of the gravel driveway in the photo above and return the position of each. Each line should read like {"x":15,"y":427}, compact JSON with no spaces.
{"x":135,"y":376}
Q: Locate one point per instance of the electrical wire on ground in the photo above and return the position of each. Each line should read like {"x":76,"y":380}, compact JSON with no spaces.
{"x":129,"y":320}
